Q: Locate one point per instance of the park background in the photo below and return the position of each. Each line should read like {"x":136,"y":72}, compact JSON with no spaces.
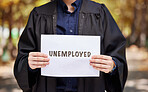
{"x":130,"y":15}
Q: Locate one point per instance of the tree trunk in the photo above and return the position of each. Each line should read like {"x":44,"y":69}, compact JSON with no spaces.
{"x":10,"y":21}
{"x":133,"y":36}
{"x":143,"y":25}
{"x":3,"y":20}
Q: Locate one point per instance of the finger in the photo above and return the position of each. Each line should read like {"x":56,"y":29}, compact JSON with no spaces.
{"x":100,"y":66}
{"x":37,"y":54}
{"x":32,"y":67}
{"x":101,"y":57}
{"x":101,"y":69}
{"x":107,"y":57}
{"x":99,"y":61}
{"x":105,"y":70}
{"x":40,"y":63}
{"x":42,"y":66}
{"x":38,"y":66}
{"x":39,"y":59}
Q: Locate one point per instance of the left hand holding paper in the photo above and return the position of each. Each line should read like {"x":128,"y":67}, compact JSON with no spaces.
{"x":102,"y":63}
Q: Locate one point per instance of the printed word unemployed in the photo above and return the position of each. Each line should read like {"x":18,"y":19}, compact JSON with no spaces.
{"x":69,"y":53}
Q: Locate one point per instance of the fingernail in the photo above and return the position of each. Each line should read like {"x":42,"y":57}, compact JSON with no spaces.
{"x":94,"y":67}
{"x":91,"y":64}
{"x":90,"y":61}
{"x":46,"y":55}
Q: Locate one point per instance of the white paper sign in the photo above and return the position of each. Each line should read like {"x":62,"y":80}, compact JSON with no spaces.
{"x":69,"y":55}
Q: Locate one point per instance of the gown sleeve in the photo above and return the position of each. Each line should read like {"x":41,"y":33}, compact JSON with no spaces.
{"x":26,"y":78}
{"x":114,"y":44}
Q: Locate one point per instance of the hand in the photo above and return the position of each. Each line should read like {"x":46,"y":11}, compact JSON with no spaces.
{"x":37,"y":60}
{"x":102,"y":63}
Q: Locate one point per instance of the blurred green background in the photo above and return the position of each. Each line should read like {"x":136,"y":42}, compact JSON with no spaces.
{"x":130,"y":15}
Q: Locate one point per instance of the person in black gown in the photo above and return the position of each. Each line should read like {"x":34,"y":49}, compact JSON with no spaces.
{"x":71,"y":17}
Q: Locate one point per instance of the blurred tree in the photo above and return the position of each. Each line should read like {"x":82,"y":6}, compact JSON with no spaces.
{"x":6,"y":8}
{"x":138,"y":22}
{"x":131,"y":17}
{"x":13,"y":14}
{"x":143,"y":23}
{"x":6,"y":5}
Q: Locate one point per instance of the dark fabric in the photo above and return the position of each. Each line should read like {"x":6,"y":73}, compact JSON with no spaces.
{"x":67,"y":24}
{"x":67,"y":84}
{"x":64,"y":91}
{"x":94,"y":19}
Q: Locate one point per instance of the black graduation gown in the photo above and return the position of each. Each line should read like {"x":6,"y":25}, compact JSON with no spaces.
{"x":94,"y":19}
